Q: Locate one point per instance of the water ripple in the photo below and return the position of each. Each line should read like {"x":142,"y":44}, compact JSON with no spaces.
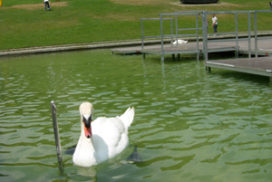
{"x":189,"y":125}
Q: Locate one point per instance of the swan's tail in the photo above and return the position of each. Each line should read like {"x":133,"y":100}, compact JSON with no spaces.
{"x":127,"y":117}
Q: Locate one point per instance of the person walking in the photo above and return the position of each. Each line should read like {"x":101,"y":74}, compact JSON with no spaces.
{"x":46,"y":5}
{"x":214,"y":23}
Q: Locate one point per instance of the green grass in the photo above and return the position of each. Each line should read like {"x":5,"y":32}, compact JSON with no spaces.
{"x":87,"y":21}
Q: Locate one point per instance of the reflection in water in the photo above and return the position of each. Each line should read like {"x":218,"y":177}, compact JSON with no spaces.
{"x":189,"y":125}
{"x":163,"y":74}
{"x":88,"y":173}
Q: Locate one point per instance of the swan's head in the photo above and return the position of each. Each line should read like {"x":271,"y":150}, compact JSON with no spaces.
{"x":85,"y":110}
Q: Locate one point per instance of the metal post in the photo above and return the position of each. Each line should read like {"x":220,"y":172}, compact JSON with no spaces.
{"x":56,"y":133}
{"x":172,"y":31}
{"x":142,"y":35}
{"x":205,"y":36}
{"x":162,"y":38}
{"x":249,"y":35}
{"x":236,"y":36}
{"x":162,"y":51}
{"x":197,"y":37}
{"x":176,"y":27}
{"x":256,"y":34}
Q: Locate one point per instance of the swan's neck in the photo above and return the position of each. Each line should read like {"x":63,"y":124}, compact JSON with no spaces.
{"x":84,"y":153}
{"x":82,"y":134}
{"x":84,"y":139}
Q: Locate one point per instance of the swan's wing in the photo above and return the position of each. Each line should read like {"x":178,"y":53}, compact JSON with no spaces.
{"x":127,"y":117}
{"x":109,"y":137}
{"x":109,"y":130}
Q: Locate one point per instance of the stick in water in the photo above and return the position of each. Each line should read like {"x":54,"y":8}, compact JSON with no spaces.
{"x":56,"y":132}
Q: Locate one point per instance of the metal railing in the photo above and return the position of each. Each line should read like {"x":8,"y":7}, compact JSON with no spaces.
{"x":174,"y":36}
{"x":202,"y":27}
{"x":249,"y":14}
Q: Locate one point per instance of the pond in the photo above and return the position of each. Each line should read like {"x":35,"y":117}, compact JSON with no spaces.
{"x":190,"y":125}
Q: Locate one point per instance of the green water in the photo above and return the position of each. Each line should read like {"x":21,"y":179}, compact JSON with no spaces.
{"x":189,"y":125}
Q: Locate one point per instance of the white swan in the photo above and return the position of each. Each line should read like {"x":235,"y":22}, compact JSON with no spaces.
{"x":179,"y":42}
{"x":102,"y":138}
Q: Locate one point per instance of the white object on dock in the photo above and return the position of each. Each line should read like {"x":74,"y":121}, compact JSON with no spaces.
{"x":180,"y":42}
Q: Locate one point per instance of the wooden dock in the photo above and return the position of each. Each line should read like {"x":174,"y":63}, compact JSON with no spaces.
{"x":264,"y":48}
{"x":258,"y":66}
{"x":252,"y":44}
{"x":254,"y":65}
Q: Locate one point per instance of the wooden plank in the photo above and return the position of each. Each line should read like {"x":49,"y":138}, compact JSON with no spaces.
{"x":259,"y":66}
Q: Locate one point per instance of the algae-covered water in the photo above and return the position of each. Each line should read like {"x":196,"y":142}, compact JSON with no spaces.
{"x":189,"y":125}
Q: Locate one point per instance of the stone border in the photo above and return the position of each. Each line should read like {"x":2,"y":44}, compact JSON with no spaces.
{"x":65,"y":48}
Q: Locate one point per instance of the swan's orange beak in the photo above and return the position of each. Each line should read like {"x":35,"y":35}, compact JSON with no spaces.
{"x":87,"y":126}
{"x":88,"y":132}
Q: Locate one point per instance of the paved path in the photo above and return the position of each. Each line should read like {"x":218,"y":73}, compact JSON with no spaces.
{"x":51,"y":49}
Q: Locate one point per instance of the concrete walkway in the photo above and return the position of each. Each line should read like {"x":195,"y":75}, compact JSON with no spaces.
{"x":64,"y":48}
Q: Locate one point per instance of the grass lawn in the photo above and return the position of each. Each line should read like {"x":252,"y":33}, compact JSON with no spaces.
{"x":24,"y":23}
